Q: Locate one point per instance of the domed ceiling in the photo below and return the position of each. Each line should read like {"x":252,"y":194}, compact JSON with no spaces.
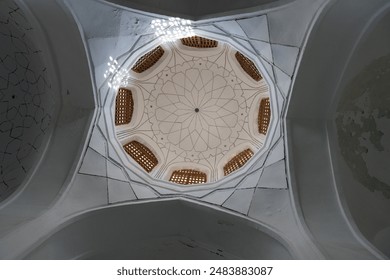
{"x":27,"y":101}
{"x":193,"y":106}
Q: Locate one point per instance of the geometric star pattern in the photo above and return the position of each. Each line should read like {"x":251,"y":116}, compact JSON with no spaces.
{"x":197,"y":108}
{"x":258,"y":34}
{"x":198,"y":111}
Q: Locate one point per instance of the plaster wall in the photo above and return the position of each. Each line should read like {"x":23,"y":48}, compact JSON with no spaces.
{"x":72,"y":186}
{"x":67,"y":67}
{"x":27,"y":99}
{"x":171,"y":229}
{"x":314,"y":175}
{"x":360,"y":135}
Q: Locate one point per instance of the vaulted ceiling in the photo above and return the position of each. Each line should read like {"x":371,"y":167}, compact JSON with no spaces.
{"x":289,"y":195}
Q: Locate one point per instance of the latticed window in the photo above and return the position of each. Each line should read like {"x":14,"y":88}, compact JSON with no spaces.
{"x":141,"y":154}
{"x":237,"y":162}
{"x":199,"y":42}
{"x":124,"y":106}
{"x":248,"y":66}
{"x":188,"y":177}
{"x":148,"y":60}
{"x":264,"y":115}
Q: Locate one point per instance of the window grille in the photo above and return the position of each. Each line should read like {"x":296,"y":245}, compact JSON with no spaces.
{"x":199,"y":42}
{"x":238,"y":161}
{"x":248,"y":66}
{"x":148,"y":60}
{"x":142,"y":155}
{"x":124,"y":106}
{"x":264,"y":116}
{"x":188,"y":177}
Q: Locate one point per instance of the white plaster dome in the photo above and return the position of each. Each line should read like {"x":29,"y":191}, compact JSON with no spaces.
{"x":192,"y":108}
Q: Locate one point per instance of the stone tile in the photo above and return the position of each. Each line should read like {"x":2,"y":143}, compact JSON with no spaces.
{"x":115,"y":172}
{"x":86,"y":192}
{"x":259,"y":162}
{"x":102,"y":124}
{"x":119,"y":191}
{"x":144,"y":39}
{"x":255,"y":27}
{"x":246,"y":44}
{"x":269,"y":68}
{"x":93,"y":164}
{"x":271,"y":206}
{"x":210,"y":28}
{"x":218,"y":197}
{"x":263,"y":49}
{"x":98,"y":142}
{"x":198,"y":194}
{"x":240,"y":201}
{"x":251,"y":180}
{"x":274,"y":176}
{"x":112,"y":154}
{"x":283,"y":81}
{"x":285,"y":58}
{"x":276,"y":154}
{"x":163,"y":191}
{"x":143,"y":191}
{"x":231,"y":27}
{"x":277,"y":134}
{"x":231,"y":183}
{"x":281,"y":101}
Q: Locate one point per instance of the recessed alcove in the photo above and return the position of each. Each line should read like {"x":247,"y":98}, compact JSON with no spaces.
{"x":169,"y":229}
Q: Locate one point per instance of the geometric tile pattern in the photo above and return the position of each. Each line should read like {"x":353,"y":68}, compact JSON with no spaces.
{"x":26,"y":100}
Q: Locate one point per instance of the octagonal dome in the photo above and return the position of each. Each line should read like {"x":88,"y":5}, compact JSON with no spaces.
{"x":192,"y":111}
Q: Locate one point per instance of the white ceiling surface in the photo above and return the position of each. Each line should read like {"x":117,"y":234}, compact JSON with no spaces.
{"x":214,"y":84}
{"x":261,"y":193}
{"x":26,"y":99}
{"x":278,"y":52}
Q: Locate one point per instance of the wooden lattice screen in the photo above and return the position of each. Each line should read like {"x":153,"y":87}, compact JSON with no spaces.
{"x":199,"y":42}
{"x":148,"y":60}
{"x":237,"y":162}
{"x":142,"y":155}
{"x":188,"y":177}
{"x":248,"y":66}
{"x":264,"y":115}
{"x":124,"y":106}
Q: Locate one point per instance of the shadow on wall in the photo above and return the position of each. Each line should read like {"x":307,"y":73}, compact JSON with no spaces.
{"x":362,"y":122}
{"x":26,"y":99}
{"x":338,"y":130}
{"x":363,"y":126}
{"x":169,"y":229}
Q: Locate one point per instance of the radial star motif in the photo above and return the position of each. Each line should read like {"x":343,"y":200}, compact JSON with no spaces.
{"x":197,"y":112}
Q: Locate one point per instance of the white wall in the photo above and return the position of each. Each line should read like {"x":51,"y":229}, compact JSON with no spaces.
{"x":172,"y":229}
{"x":322,"y":183}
